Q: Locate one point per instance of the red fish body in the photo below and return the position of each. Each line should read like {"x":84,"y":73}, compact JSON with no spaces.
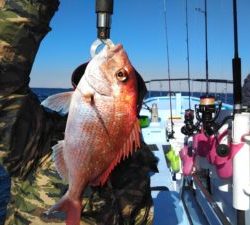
{"x":102,"y":127}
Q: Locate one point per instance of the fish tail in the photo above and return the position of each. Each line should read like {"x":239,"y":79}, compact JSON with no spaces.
{"x":71,"y":207}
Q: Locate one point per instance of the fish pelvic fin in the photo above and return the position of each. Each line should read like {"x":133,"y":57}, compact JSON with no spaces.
{"x":131,"y":144}
{"x":59,"y":102}
{"x":58,"y":158}
{"x":71,"y":207}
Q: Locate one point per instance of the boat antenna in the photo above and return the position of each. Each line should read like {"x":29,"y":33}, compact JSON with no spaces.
{"x":189,"y":89}
{"x":236,"y":63}
{"x":171,"y":134}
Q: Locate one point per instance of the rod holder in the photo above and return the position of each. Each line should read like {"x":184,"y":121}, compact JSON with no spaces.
{"x":154,"y":113}
{"x":241,"y":161}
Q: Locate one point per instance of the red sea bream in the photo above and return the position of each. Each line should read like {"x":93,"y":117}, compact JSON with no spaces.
{"x":102,"y":126}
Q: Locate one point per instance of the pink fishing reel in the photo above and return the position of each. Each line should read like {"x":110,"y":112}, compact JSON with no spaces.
{"x":208,"y":143}
{"x":187,"y":157}
{"x":201,"y":146}
{"x":218,"y":154}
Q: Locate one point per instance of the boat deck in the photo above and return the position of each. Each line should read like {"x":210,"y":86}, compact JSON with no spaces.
{"x":175,"y":203}
{"x":165,"y":192}
{"x":167,"y":203}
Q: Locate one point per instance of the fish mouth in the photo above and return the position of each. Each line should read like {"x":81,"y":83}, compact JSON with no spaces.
{"x":114,"y":49}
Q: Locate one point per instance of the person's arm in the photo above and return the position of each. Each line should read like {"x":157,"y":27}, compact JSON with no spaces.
{"x":23,"y":24}
{"x":26,"y":129}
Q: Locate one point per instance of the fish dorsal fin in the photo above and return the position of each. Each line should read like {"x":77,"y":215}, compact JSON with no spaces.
{"x":58,"y":158}
{"x":131,"y":145}
{"x":59,"y":102}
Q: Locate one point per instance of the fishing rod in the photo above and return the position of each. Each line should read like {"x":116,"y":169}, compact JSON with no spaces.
{"x":104,"y":11}
{"x":188,"y":64}
{"x":206,"y":49}
{"x":189,"y":128}
{"x":238,"y":164}
{"x":236,"y":63}
{"x":207,"y":107}
{"x":171,"y":134}
{"x":205,"y":13}
{"x":206,"y":111}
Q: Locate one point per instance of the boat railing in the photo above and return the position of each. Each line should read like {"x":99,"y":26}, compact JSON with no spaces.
{"x":220,"y":88}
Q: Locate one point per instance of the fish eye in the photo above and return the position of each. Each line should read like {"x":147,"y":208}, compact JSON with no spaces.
{"x":122,"y":75}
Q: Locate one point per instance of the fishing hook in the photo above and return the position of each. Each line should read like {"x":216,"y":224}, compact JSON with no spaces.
{"x":98,"y":42}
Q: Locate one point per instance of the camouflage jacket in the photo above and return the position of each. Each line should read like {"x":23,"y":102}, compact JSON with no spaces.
{"x":125,"y":199}
{"x":27,"y":132}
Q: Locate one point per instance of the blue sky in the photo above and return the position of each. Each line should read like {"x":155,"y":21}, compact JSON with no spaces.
{"x":139,"y":26}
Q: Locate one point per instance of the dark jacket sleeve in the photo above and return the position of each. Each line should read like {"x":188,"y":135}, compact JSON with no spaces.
{"x":126,"y":198}
{"x":26,"y":129}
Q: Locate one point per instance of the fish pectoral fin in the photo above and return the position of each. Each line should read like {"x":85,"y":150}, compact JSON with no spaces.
{"x":59,"y":102}
{"x":58,"y":158}
{"x":132,"y":144}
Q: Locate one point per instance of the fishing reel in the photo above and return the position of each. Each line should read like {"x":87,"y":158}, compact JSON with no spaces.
{"x":223,"y":150}
{"x":207,"y":112}
{"x":189,"y":128}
